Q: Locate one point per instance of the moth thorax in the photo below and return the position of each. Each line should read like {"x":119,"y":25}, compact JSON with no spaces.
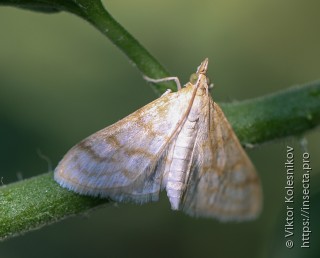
{"x":202,"y":90}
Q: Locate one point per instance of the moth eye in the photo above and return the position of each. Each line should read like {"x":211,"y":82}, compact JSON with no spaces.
{"x":194,"y":78}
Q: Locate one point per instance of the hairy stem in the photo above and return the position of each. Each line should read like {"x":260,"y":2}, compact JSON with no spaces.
{"x":38,"y":201}
{"x":286,"y":113}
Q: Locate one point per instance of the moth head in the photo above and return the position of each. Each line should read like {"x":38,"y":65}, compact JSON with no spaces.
{"x":201,"y":83}
{"x":196,"y":78}
{"x":200,"y":76}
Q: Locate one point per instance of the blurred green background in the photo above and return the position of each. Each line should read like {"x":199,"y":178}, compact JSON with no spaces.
{"x":61,"y":80}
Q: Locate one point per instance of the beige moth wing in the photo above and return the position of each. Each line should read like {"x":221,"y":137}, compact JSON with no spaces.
{"x":182,"y":142}
{"x":223,"y":182}
{"x":125,"y":161}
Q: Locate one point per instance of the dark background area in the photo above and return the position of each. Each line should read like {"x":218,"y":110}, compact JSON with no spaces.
{"x":61,"y":80}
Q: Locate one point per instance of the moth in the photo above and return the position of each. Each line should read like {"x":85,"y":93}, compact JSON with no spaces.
{"x":180,"y":142}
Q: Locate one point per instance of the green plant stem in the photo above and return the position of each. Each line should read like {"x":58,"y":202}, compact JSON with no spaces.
{"x":94,"y":12}
{"x":286,"y":113}
{"x":38,"y":201}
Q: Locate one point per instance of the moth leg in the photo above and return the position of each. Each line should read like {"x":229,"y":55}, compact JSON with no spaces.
{"x":175,"y":79}
{"x":167,"y":92}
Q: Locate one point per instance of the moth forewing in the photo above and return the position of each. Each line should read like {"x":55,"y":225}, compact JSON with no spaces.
{"x":181,"y":142}
{"x":124,"y":161}
{"x":223,"y":182}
